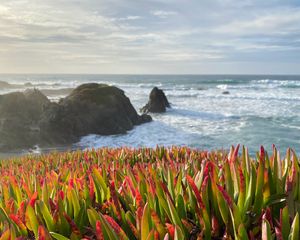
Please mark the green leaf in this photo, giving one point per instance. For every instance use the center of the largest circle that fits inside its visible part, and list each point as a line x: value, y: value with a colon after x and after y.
x: 242, y: 233
x: 285, y: 223
x: 100, y: 184
x: 160, y: 228
x: 75, y: 202
x: 207, y: 225
x: 31, y: 221
x: 259, y: 188
x: 93, y: 216
x: 107, y: 229
x: 47, y: 216
x: 294, y: 234
x: 175, y: 218
x: 181, y: 207
x: 223, y: 207
x: 145, y: 229
x: 58, y: 236
x: 178, y: 234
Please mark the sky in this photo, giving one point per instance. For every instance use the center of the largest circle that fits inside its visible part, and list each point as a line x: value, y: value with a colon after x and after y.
x: 150, y: 36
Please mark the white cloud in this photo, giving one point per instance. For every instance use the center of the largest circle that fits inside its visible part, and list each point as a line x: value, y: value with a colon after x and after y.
x: 132, y: 17
x: 182, y: 55
x: 163, y: 14
x: 280, y: 21
x: 123, y: 36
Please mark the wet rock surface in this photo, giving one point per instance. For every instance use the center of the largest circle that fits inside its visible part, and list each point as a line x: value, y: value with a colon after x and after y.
x: 157, y: 103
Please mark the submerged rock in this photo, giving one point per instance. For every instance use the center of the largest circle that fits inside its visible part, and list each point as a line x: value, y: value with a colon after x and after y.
x: 157, y: 103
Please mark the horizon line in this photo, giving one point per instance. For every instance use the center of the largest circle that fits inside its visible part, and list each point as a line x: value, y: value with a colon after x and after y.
x: 162, y: 74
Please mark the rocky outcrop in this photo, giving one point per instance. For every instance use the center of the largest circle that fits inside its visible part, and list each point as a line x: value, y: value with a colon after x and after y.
x: 90, y: 109
x: 157, y: 103
x: 19, y: 118
x: 29, y: 118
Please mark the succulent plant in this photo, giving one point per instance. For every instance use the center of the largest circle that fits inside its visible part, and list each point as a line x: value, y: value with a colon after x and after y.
x: 162, y: 193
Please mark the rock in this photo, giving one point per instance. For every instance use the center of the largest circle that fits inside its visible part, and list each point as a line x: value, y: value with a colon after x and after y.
x: 19, y: 116
x: 55, y: 92
x: 28, y: 84
x: 29, y: 118
x: 89, y: 109
x: 145, y: 118
x: 225, y: 92
x: 37, y: 102
x: 157, y: 103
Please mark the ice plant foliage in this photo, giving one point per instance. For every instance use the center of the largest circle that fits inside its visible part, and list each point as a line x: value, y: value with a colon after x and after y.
x: 149, y: 194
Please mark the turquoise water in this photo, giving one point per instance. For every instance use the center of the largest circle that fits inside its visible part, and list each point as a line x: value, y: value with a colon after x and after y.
x: 259, y: 110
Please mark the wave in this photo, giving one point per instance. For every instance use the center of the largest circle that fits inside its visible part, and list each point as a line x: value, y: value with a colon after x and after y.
x: 235, y: 97
x: 180, y: 95
x: 150, y: 85
x: 274, y: 83
x: 222, y: 86
x: 7, y: 85
x: 146, y: 135
x: 261, y: 84
x: 199, y: 114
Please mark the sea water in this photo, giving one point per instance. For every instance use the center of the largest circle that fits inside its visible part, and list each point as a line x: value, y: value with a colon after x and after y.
x: 259, y: 110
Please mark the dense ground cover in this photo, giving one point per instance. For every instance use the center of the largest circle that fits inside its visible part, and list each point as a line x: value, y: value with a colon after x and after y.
x: 161, y: 193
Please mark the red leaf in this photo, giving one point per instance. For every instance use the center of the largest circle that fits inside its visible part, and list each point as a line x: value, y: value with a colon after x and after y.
x: 225, y: 195
x: 196, y: 191
x: 33, y: 199
x: 43, y: 234
x: 171, y: 230
x: 235, y: 154
x: 99, y: 233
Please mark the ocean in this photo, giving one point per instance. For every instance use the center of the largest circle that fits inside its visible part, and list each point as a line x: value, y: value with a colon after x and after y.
x: 257, y: 109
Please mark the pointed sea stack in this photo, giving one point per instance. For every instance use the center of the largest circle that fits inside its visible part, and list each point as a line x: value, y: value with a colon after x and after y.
x: 157, y: 103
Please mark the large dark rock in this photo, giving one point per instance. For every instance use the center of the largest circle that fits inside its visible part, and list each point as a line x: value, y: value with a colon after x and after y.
x: 19, y: 118
x: 89, y: 109
x: 29, y: 118
x: 157, y: 103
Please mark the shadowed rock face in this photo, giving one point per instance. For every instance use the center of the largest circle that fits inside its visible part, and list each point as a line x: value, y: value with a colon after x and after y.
x: 19, y: 118
x: 158, y: 102
x: 89, y: 109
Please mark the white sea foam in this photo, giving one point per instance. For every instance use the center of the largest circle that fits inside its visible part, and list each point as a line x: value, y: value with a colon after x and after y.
x: 222, y: 86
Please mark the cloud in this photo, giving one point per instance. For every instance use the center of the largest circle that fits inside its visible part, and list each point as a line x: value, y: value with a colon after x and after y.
x: 280, y: 21
x: 124, y: 36
x: 163, y: 14
x: 131, y: 18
